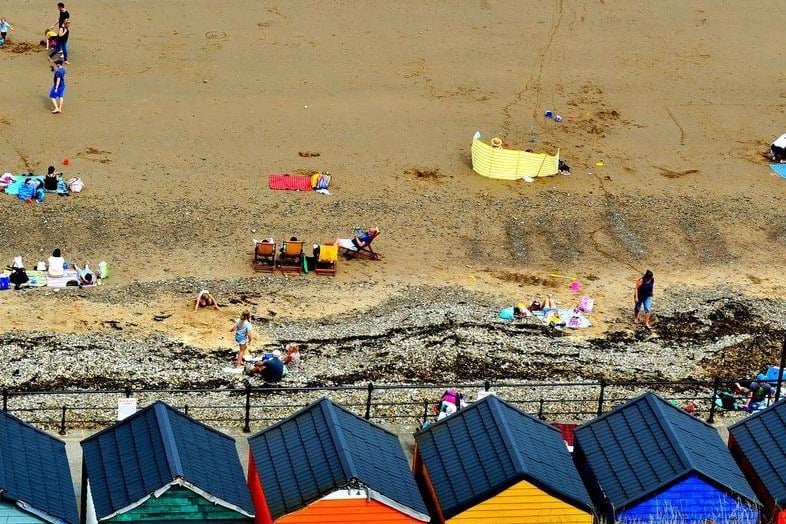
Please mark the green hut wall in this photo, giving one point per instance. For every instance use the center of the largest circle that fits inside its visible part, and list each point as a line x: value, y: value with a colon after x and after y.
x: 180, y: 505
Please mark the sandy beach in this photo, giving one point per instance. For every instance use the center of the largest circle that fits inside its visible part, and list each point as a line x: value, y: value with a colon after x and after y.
x: 176, y: 112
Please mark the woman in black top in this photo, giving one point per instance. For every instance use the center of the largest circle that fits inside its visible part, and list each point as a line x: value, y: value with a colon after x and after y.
x: 50, y: 180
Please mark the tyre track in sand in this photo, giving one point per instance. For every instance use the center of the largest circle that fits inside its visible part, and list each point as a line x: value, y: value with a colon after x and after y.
x: 536, y: 82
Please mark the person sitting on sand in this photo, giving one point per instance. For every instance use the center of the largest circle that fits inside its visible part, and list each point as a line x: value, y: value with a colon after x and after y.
x: 270, y: 369
x: 205, y: 299
x: 85, y: 275
x: 757, y: 393
x: 55, y: 264
x: 51, y: 179
x: 292, y: 358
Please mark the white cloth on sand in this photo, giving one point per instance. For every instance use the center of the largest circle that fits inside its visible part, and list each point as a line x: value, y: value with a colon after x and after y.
x: 346, y: 243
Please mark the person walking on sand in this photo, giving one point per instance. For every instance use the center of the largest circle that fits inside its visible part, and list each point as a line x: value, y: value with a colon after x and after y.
x: 642, y: 298
x: 62, y: 16
x: 62, y: 42
x: 57, y: 92
x: 242, y: 329
x: 4, y: 28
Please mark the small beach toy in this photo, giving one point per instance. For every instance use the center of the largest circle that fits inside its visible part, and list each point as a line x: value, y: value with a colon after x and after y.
x: 549, y: 114
x: 66, y: 161
x: 599, y: 164
x: 558, y: 118
x: 575, y: 286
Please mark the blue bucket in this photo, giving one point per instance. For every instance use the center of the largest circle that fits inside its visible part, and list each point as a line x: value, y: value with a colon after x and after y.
x: 549, y: 114
x: 5, y: 282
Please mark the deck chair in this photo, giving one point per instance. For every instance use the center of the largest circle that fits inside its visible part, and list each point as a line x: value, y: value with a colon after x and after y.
x: 327, y: 260
x: 264, y: 256
x: 350, y: 250
x: 291, y: 258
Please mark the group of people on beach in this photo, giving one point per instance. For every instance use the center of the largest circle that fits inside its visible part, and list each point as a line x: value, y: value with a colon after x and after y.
x: 60, y: 40
x: 56, y: 42
x: 54, y: 267
x: 271, y: 367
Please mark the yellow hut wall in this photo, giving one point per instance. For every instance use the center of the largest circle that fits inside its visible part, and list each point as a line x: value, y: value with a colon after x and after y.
x: 523, y: 503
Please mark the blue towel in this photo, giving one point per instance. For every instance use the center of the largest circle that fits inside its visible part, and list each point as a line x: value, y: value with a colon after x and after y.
x: 780, y: 169
x: 13, y: 189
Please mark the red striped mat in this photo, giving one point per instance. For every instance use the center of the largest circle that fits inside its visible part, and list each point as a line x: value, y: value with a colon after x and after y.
x: 289, y: 182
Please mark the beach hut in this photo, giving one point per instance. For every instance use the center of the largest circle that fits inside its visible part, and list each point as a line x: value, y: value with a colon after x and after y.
x: 758, y: 442
x: 160, y: 466
x: 324, y: 464
x: 491, y: 463
x: 649, y: 461
x: 35, y: 482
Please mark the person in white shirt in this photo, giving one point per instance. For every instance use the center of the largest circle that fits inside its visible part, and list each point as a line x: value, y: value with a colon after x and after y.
x: 55, y: 264
x: 778, y: 149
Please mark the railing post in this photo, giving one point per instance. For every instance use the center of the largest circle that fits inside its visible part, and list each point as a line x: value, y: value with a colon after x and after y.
x: 5, y: 399
x: 62, y: 422
x: 714, y: 397
x: 540, y: 410
x: 601, y: 396
x: 487, y: 385
x: 247, y: 416
x: 128, y: 391
x: 780, y: 371
x: 368, y: 400
x: 185, y: 409
x: 425, y: 410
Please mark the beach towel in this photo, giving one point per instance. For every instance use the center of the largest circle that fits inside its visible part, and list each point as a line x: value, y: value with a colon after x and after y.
x: 573, y: 319
x: 779, y: 169
x: 61, y: 282
x: 13, y: 189
x: 37, y: 278
x: 289, y: 182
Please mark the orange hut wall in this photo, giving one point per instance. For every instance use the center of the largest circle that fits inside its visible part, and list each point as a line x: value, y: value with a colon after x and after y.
x: 347, y: 511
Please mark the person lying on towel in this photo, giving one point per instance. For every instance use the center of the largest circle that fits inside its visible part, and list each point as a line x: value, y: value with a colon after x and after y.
x: 360, y: 241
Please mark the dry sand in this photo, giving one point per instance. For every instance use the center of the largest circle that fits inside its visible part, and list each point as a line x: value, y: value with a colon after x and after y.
x: 176, y: 112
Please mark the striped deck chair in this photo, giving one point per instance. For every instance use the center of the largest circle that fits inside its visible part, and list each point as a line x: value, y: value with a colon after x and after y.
x: 327, y: 260
x: 264, y: 256
x: 291, y: 258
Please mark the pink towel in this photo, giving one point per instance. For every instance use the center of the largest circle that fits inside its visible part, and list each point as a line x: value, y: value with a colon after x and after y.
x: 290, y: 182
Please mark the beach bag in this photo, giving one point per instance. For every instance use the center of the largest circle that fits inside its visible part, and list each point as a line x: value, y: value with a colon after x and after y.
x: 103, y: 270
x: 574, y: 322
x: 26, y: 192
x: 62, y: 187
x: 324, y: 181
x: 75, y: 185
x: 5, y: 282
x: 586, y: 304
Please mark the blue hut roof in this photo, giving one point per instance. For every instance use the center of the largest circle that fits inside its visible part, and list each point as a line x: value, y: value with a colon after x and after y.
x: 323, y: 448
x: 646, y: 445
x: 760, y: 437
x: 34, y: 471
x: 489, y: 446
x: 154, y: 447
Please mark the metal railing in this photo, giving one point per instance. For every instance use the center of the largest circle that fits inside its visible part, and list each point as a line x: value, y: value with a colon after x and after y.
x: 390, y: 404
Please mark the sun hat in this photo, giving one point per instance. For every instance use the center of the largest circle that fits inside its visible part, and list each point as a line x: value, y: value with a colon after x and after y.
x: 496, y: 141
